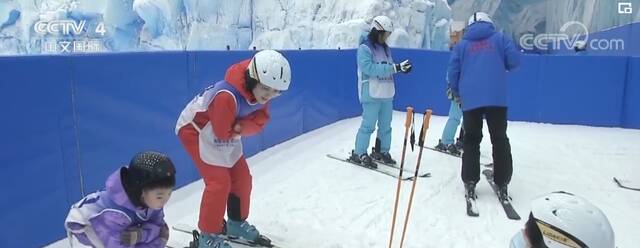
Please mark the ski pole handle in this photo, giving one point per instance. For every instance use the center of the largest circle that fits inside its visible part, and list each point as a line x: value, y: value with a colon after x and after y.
x: 407, y: 122
x: 427, y: 117
x: 425, y: 126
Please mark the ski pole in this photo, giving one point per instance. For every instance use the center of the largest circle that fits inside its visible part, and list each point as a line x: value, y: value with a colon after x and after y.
x: 423, y: 132
x: 407, y: 124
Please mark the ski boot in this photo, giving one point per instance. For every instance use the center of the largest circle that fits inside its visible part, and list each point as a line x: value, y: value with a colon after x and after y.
x: 459, y: 144
x: 441, y: 146
x: 450, y: 148
x: 453, y: 149
x: 209, y: 241
x: 363, y: 159
x: 470, y: 190
x: 503, y: 193
x: 384, y: 157
x: 242, y: 229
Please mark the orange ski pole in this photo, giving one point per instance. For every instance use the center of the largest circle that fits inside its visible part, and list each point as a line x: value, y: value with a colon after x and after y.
x: 423, y: 132
x: 407, y: 124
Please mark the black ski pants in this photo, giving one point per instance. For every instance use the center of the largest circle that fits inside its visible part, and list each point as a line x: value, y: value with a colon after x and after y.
x: 497, y: 123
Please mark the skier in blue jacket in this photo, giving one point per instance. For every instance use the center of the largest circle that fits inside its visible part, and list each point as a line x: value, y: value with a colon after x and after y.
x: 376, y: 89
x: 477, y: 76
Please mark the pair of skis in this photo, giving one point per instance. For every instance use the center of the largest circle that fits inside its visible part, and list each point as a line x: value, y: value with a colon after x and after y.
x: 263, y: 242
x: 509, y: 210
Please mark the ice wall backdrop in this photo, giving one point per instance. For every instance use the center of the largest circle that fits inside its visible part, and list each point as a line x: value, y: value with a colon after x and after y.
x: 38, y: 26
x: 68, y: 121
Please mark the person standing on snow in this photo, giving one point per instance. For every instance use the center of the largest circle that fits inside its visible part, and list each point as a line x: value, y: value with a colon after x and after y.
x: 477, y: 77
x: 210, y: 127
x: 376, y: 89
x: 446, y: 144
x: 564, y: 220
x: 128, y: 213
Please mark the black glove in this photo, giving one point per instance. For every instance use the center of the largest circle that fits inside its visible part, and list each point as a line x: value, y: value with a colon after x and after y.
x: 404, y: 67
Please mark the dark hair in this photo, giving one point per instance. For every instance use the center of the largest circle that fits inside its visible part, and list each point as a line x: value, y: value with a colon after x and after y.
x: 373, y: 37
x: 533, y: 233
x: 249, y: 82
x: 135, y: 193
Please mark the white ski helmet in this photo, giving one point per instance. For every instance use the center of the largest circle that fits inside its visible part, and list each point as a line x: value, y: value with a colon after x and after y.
x: 479, y: 17
x: 270, y: 68
x: 382, y: 23
x: 566, y: 220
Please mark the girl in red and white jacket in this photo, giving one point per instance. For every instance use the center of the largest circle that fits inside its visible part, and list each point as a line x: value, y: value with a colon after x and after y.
x: 210, y: 127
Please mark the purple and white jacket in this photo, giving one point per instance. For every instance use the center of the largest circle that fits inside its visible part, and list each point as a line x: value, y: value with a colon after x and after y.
x: 99, y: 219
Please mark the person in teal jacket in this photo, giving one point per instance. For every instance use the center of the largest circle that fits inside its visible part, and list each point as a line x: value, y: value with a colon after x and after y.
x: 376, y: 89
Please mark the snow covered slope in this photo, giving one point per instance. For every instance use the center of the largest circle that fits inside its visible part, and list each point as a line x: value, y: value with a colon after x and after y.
x: 303, y: 199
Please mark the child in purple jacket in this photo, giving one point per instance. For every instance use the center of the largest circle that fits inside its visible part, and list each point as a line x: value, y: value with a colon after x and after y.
x: 128, y: 213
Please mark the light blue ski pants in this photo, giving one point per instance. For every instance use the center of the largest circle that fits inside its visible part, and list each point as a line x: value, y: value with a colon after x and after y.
x: 449, y: 132
x: 380, y: 112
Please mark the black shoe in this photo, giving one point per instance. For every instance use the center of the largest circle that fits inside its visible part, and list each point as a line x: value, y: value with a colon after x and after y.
x: 470, y: 190
x: 441, y: 146
x: 363, y: 159
x: 503, y: 193
x: 385, y: 157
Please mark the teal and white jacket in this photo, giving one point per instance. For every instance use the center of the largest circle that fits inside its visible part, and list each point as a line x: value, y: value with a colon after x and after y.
x: 375, y: 72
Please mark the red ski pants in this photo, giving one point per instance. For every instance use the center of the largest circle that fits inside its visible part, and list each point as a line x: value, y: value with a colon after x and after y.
x: 225, y: 188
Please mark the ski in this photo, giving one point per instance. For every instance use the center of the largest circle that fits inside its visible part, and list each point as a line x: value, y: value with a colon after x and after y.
x: 369, y: 168
x: 380, y: 162
x: 506, y: 204
x: 624, y: 186
x: 196, y: 235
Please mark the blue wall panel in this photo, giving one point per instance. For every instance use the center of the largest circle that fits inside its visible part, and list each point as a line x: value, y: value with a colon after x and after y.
x: 87, y: 115
x: 38, y: 166
x: 631, y: 108
x: 524, y: 90
x: 582, y: 89
x: 426, y: 85
x: 128, y: 103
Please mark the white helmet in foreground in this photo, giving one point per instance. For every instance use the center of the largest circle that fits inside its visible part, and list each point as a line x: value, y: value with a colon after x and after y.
x: 382, y: 23
x: 479, y: 17
x: 270, y: 68
x: 566, y: 220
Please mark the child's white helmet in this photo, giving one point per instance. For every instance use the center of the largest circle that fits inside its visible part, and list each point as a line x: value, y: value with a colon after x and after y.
x: 270, y: 68
x: 566, y: 220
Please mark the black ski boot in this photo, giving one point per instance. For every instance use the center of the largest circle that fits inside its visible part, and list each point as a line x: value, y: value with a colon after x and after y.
x: 383, y: 157
x: 503, y: 193
x: 441, y: 146
x: 363, y: 159
x: 453, y: 149
x: 459, y: 144
x: 470, y: 190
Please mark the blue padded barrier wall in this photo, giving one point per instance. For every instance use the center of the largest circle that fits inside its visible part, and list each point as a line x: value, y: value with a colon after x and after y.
x: 582, y: 89
x: 124, y: 105
x: 631, y: 108
x: 39, y: 177
x: 67, y: 116
x: 524, y: 89
x: 426, y: 85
